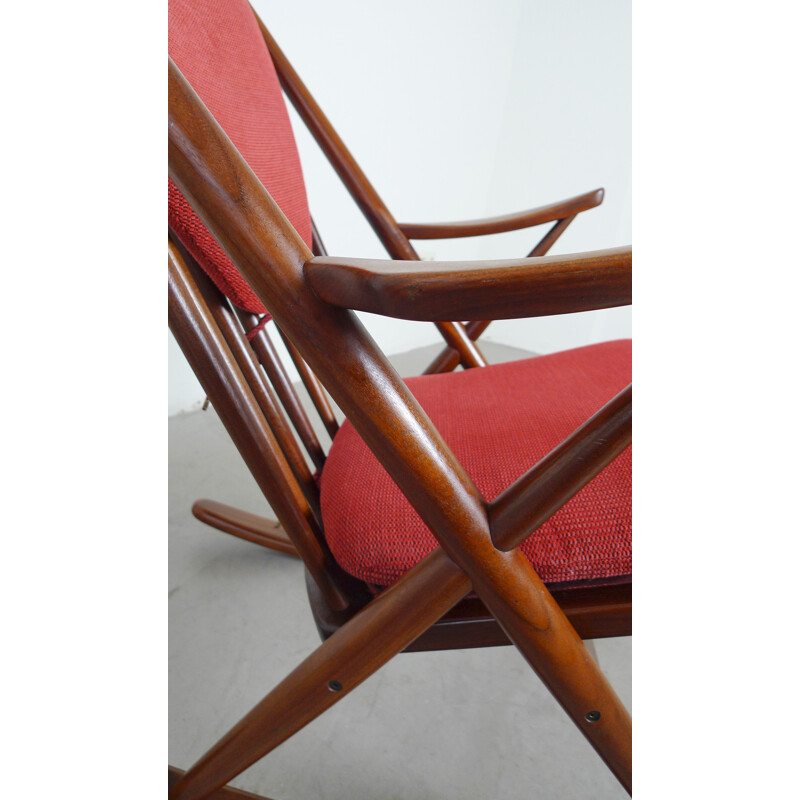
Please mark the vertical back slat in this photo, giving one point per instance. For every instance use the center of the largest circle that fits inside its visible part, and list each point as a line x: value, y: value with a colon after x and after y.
x: 215, y: 366
x: 268, y: 357
x: 313, y: 386
x: 268, y: 403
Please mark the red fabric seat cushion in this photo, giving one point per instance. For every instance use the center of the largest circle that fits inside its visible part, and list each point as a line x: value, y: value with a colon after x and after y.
x: 218, y: 47
x: 498, y: 421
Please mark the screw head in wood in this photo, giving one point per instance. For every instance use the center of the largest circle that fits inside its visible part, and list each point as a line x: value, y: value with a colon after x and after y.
x: 335, y: 686
x: 593, y: 716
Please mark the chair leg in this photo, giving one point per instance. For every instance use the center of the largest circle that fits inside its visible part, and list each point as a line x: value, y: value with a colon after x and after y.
x: 532, y: 619
x: 247, y: 526
x: 393, y: 620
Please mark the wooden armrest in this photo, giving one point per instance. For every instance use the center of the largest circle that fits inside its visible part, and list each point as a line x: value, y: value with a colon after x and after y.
x: 458, y: 290
x: 508, y: 222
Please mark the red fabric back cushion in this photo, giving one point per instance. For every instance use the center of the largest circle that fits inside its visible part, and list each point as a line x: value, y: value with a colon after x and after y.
x: 218, y: 47
x: 498, y: 421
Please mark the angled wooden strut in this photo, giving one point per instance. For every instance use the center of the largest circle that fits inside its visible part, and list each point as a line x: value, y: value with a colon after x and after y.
x: 271, y: 256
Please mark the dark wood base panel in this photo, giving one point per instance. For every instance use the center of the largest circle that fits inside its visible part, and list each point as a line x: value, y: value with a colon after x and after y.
x: 597, y: 612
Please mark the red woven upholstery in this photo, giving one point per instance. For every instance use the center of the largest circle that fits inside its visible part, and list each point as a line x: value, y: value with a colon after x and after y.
x: 498, y: 421
x: 218, y: 47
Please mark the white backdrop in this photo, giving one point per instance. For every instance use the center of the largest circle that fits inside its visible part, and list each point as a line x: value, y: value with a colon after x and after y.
x: 457, y: 110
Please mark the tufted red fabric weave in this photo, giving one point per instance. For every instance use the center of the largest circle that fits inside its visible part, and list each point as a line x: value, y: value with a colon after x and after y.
x: 218, y: 47
x: 498, y: 421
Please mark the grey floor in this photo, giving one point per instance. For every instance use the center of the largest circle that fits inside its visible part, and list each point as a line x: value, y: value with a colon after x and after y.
x: 464, y: 724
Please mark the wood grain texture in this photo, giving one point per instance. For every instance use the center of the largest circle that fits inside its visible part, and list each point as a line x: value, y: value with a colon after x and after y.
x: 268, y: 252
x: 480, y: 290
x: 596, y: 612
x: 506, y: 222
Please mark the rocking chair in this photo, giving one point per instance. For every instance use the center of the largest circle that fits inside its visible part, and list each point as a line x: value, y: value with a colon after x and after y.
x: 460, y: 509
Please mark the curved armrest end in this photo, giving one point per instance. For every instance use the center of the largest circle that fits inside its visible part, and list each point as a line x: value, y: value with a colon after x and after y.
x: 458, y: 290
x: 507, y: 222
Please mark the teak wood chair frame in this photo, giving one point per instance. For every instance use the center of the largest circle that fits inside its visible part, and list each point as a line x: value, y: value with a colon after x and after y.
x: 311, y: 299
x: 461, y: 338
